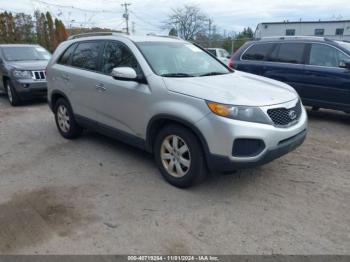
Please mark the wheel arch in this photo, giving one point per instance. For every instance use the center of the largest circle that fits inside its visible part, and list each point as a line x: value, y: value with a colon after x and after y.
x: 55, y: 96
x: 159, y: 121
x: 4, y: 79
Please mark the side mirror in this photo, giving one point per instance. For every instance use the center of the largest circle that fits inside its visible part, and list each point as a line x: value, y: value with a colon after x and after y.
x: 1, y: 61
x: 345, y: 64
x: 124, y: 74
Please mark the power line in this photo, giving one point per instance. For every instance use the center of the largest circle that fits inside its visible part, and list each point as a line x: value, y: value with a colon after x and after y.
x: 144, y: 21
x: 77, y: 8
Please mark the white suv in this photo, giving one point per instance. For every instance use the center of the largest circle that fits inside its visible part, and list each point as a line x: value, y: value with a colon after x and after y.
x: 173, y: 99
x: 221, y: 54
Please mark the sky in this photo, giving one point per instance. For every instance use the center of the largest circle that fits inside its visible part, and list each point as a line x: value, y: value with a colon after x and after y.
x: 148, y: 16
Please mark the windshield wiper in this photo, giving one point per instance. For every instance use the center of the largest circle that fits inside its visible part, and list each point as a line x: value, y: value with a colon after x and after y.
x: 177, y: 75
x: 213, y: 74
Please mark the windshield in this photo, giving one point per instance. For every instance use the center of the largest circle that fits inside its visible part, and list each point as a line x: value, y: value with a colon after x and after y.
x: 25, y: 53
x: 180, y: 60
x: 345, y: 45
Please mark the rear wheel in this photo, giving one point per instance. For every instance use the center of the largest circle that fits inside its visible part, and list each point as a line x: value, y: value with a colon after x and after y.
x: 65, y: 121
x: 179, y: 156
x: 12, y: 95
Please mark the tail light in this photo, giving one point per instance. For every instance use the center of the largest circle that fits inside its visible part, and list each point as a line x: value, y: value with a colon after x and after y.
x: 231, y: 63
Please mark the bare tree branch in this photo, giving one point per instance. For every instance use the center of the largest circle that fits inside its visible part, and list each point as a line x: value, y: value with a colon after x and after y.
x: 188, y: 21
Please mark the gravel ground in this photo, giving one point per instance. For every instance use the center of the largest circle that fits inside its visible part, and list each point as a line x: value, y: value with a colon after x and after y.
x: 98, y: 196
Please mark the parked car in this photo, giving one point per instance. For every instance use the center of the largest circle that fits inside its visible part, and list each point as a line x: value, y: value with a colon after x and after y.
x: 318, y: 68
x: 220, y: 53
x: 171, y: 98
x: 22, y: 71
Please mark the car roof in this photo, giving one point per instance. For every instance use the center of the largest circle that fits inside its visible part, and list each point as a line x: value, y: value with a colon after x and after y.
x: 18, y: 45
x: 133, y: 38
x: 293, y: 39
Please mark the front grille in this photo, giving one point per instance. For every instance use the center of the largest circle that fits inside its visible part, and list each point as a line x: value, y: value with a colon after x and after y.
x: 285, y: 117
x: 39, y: 75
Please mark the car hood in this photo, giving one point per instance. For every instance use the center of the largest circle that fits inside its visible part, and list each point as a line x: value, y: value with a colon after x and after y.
x: 29, y: 65
x: 237, y: 88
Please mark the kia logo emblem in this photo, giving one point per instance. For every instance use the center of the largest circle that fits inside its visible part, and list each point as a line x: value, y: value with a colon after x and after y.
x: 292, y: 114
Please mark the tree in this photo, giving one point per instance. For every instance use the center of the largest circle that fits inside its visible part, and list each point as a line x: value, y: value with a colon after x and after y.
x: 173, y: 32
x: 246, y: 33
x: 60, y: 31
x: 3, y: 28
x: 40, y: 28
x: 7, y: 30
x: 187, y: 21
x: 24, y: 28
x: 10, y: 28
x: 51, y: 32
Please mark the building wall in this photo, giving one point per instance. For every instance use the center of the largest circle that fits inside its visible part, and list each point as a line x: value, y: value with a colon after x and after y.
x: 304, y: 29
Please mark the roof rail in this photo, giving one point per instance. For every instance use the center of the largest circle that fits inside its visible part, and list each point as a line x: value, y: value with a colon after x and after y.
x: 294, y: 38
x: 165, y: 36
x: 94, y: 34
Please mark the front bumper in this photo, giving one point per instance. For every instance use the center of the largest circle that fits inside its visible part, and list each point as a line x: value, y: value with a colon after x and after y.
x: 223, y: 164
x: 28, y: 88
x: 220, y: 134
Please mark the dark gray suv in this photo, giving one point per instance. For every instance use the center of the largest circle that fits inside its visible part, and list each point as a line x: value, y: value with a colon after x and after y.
x: 22, y: 72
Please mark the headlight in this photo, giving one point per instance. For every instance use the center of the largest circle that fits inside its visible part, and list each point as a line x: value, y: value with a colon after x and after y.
x: 242, y: 113
x: 23, y: 74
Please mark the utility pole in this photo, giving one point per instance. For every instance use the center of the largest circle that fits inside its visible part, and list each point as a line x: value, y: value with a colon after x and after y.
x: 126, y: 15
x: 133, y: 28
x: 210, y: 23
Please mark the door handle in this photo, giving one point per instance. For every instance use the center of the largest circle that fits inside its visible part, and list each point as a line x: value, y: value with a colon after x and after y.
x: 100, y: 87
x: 66, y: 77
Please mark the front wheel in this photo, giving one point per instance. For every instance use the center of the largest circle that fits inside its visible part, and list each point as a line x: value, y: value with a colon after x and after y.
x: 12, y: 95
x: 179, y: 156
x: 65, y: 121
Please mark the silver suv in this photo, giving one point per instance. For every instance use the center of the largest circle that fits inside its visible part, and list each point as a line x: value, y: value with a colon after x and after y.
x: 175, y: 100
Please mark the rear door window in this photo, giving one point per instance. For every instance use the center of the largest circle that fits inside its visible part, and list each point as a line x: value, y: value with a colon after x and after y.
x: 258, y: 52
x: 292, y: 53
x: 325, y: 55
x: 86, y: 55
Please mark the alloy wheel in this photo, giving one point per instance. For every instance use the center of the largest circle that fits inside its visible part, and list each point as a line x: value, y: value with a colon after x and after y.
x: 63, y: 118
x: 175, y: 156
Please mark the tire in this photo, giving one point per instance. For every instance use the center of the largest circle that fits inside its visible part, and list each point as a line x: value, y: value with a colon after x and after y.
x: 180, y: 169
x: 12, y: 95
x: 65, y: 121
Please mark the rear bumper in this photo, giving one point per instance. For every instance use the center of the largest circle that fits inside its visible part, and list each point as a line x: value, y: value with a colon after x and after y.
x: 224, y: 164
x: 27, y: 89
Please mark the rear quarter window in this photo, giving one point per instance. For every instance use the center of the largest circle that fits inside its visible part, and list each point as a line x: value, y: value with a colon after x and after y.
x: 67, y: 54
x: 257, y: 52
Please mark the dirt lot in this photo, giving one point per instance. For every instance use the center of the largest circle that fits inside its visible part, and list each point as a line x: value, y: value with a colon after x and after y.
x: 97, y: 196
